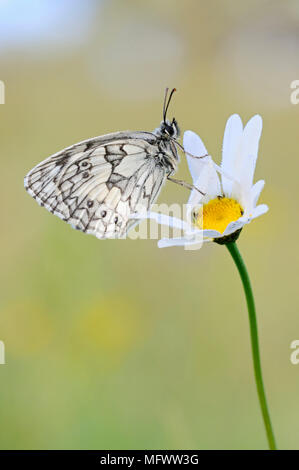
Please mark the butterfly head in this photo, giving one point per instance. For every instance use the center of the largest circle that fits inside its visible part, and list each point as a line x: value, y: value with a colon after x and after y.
x: 168, y: 129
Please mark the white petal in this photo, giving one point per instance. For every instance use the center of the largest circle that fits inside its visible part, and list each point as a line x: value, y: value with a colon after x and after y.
x: 168, y: 242
x: 231, y: 141
x: 193, y: 145
x: 256, y: 191
x: 236, y: 225
x: 211, y: 233
x: 242, y: 190
x: 247, y: 173
x: 201, y: 234
x: 163, y: 219
x: 247, y: 155
x: 223, y: 173
x: 259, y: 210
x: 208, y: 183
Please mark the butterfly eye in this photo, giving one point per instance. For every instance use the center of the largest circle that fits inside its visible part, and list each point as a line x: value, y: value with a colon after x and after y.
x: 103, y: 214
x: 175, y: 128
x: 170, y: 130
x: 89, y: 203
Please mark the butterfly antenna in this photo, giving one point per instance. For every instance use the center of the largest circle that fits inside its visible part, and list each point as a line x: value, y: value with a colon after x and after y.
x: 164, y: 104
x: 167, y: 102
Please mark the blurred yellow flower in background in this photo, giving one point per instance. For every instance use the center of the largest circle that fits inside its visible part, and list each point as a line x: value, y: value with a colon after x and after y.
x: 109, y: 325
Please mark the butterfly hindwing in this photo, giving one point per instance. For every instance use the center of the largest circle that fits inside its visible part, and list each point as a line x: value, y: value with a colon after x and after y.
x: 97, y: 184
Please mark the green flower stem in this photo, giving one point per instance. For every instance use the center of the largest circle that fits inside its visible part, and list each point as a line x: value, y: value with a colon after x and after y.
x: 234, y: 251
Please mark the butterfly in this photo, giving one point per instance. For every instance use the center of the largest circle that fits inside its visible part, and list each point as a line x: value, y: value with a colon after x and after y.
x: 98, y: 184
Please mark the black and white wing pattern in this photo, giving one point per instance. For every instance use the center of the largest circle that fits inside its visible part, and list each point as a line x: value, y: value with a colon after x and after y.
x: 96, y: 185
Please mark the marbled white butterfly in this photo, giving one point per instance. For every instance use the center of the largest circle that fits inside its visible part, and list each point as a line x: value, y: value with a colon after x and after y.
x: 98, y: 184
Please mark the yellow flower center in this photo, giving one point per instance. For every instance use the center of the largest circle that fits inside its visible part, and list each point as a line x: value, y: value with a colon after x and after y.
x: 218, y: 213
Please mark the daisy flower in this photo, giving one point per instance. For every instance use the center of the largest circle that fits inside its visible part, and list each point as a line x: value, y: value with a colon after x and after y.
x: 218, y: 209
x: 228, y: 202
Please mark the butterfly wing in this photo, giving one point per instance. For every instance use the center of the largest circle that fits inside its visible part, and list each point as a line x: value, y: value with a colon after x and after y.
x: 97, y: 184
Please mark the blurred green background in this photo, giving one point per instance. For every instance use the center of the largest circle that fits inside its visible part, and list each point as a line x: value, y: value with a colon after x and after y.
x: 117, y: 344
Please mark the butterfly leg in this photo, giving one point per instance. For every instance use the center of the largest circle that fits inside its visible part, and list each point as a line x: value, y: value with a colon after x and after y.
x: 185, y: 185
x: 198, y: 157
x: 188, y: 153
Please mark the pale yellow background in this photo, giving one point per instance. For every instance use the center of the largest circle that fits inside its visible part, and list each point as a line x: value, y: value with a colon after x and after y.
x: 117, y: 344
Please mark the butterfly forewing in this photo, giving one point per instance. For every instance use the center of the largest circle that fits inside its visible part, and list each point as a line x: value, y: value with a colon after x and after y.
x: 96, y: 185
